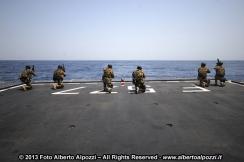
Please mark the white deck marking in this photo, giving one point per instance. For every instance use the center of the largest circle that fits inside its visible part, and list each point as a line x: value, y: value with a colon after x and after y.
x: 148, y: 90
x: 11, y: 88
x: 101, y: 92
x: 194, y: 89
x: 68, y: 90
x: 130, y: 88
x: 18, y: 87
x: 229, y: 81
x: 133, y: 87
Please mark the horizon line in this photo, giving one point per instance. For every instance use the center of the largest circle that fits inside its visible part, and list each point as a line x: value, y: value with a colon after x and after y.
x: 117, y: 60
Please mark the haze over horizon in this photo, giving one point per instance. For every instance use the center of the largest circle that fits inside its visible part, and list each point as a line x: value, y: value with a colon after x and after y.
x: 121, y: 30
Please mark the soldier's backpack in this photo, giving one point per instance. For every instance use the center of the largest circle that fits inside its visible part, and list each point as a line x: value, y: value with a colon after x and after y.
x: 24, y: 74
x: 108, y: 73
x: 139, y: 74
x: 202, y: 72
x: 58, y: 74
x: 221, y: 71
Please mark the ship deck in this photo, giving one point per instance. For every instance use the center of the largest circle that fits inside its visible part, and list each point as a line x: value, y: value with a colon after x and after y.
x: 171, y: 118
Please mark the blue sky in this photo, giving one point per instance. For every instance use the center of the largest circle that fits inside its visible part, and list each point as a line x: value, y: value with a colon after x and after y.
x: 122, y: 29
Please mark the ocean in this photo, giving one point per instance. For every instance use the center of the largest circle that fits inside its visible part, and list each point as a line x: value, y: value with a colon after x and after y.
x: 92, y: 70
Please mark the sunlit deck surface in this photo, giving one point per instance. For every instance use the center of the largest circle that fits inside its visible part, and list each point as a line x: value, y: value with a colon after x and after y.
x: 172, y: 118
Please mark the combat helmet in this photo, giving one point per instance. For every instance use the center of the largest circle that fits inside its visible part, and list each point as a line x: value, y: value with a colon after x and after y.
x: 139, y: 67
x: 219, y: 63
x: 60, y: 67
x: 110, y: 66
x: 27, y: 67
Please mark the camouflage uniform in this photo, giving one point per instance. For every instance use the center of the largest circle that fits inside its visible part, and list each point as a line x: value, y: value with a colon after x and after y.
x: 26, y: 77
x: 202, y: 75
x: 107, y: 78
x: 220, y: 73
x: 138, y: 79
x: 58, y: 77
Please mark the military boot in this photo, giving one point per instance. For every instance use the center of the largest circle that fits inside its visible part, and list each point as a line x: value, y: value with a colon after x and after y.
x: 54, y: 86
x: 143, y: 88
x: 109, y: 90
x: 203, y: 84
x: 60, y: 86
x: 136, y: 90
x: 222, y: 84
x: 216, y: 82
x: 28, y: 87
x: 208, y: 82
x: 24, y: 87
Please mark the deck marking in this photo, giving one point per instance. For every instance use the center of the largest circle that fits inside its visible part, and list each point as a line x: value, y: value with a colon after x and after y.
x: 19, y: 86
x: 130, y: 88
x: 234, y: 83
x: 68, y: 90
x: 101, y: 92
x: 195, y: 89
x: 11, y: 88
x: 148, y: 89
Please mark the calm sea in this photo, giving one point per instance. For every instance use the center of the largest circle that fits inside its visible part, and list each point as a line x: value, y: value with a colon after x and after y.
x: 92, y: 70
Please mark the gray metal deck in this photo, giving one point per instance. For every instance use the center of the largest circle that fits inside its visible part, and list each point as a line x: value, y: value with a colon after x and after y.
x: 170, y: 119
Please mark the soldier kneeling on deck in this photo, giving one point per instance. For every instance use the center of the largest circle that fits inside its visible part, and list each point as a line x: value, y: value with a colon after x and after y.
x: 58, y: 77
x: 26, y: 77
x: 107, y: 77
x: 202, y: 75
x: 138, y: 80
x: 220, y: 73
